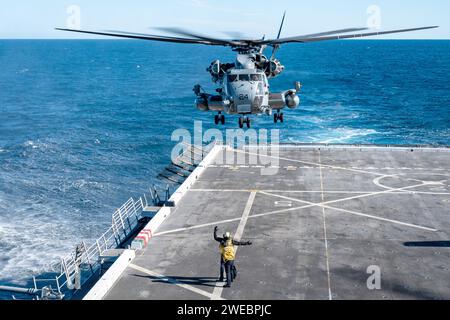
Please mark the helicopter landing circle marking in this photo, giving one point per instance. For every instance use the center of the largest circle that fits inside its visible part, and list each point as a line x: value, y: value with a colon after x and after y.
x: 442, y: 180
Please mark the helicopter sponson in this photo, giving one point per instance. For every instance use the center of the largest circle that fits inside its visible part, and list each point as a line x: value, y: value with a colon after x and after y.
x: 220, y: 103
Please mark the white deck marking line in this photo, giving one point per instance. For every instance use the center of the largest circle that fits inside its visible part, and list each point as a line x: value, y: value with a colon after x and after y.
x: 324, y: 205
x: 382, y: 219
x: 329, y: 202
x: 238, y: 235
x: 374, y: 194
x: 312, y: 163
x: 197, y: 227
x: 310, y: 205
x: 217, y: 223
x: 287, y: 191
x: 220, y: 190
x: 248, y: 208
x: 325, y: 232
x: 173, y: 281
x: 310, y: 167
x: 325, y: 192
x: 377, y: 181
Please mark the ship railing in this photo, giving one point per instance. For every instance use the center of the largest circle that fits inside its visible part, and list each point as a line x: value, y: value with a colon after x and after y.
x: 193, y: 153
x: 75, y: 269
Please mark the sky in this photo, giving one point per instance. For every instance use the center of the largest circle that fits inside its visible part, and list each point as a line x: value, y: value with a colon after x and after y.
x: 31, y: 19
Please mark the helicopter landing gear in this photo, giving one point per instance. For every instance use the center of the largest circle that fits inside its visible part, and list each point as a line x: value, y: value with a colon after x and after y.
x: 220, y: 118
x: 245, y: 120
x: 279, y: 116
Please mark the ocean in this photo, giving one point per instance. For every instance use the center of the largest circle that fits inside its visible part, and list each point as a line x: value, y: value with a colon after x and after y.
x: 84, y: 125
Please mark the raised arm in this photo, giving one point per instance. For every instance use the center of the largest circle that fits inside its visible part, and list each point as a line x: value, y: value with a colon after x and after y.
x: 239, y: 243
x: 215, y: 235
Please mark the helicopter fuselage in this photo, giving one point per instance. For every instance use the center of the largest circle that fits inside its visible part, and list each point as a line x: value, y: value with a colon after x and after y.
x: 244, y: 89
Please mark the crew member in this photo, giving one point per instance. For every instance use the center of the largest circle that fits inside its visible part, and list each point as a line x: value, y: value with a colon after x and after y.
x: 227, y: 254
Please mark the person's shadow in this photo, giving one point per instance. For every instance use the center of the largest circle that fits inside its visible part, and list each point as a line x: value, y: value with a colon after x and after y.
x: 428, y: 244
x: 192, y: 281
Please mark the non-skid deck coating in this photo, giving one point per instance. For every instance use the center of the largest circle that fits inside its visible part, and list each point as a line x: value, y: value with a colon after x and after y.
x: 317, y: 226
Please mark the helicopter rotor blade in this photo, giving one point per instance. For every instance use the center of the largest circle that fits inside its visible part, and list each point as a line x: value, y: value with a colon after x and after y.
x: 141, y: 36
x: 234, y: 34
x: 281, y: 26
x: 175, y: 39
x: 323, y: 34
x: 332, y: 32
x: 303, y: 39
x: 193, y: 38
x: 276, y: 47
x: 183, y: 32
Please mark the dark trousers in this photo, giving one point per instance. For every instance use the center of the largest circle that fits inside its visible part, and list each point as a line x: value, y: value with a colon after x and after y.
x: 228, y: 266
x: 222, y: 268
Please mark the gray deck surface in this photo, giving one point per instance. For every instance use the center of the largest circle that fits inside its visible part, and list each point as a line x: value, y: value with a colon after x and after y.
x: 316, y: 226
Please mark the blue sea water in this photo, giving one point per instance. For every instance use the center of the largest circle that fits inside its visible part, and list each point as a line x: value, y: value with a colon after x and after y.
x: 84, y: 125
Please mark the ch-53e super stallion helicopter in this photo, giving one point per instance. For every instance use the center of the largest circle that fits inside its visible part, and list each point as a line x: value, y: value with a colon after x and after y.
x: 244, y: 85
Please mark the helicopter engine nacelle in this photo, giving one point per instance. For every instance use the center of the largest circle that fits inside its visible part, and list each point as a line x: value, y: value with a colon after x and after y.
x: 214, y: 68
x: 261, y: 61
x: 273, y: 68
x: 218, y: 70
x: 292, y: 100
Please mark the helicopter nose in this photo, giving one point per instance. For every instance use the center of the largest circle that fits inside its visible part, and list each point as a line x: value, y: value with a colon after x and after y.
x: 244, y: 94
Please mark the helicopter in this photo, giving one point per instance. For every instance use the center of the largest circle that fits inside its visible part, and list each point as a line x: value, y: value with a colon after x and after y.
x: 243, y: 86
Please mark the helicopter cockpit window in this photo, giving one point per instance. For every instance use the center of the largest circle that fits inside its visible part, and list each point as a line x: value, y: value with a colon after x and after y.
x: 244, y: 77
x: 255, y: 77
x: 232, y: 78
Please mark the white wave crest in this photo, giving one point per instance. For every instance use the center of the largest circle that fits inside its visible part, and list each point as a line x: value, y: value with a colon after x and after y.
x: 347, y: 135
x: 335, y: 136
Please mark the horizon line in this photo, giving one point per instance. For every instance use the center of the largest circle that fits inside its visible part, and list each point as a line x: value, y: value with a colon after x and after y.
x: 118, y: 39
